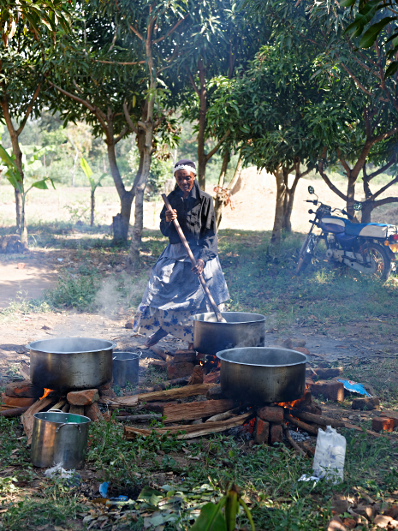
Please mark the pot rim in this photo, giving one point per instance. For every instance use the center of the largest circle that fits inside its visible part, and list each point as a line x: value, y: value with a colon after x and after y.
x: 220, y: 354
x: 87, y: 419
x: 225, y: 314
x: 31, y: 346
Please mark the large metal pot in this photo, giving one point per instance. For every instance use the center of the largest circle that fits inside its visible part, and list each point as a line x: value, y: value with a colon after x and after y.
x: 240, y: 330
x: 261, y: 375
x: 71, y: 363
x: 59, y: 439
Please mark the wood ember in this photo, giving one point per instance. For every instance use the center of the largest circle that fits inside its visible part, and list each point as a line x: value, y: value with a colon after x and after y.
x: 318, y: 419
x: 196, y: 410
x: 191, y: 432
x: 301, y: 424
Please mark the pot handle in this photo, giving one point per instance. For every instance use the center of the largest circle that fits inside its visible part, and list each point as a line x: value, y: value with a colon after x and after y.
x: 114, y: 345
x: 55, y: 409
x: 68, y: 424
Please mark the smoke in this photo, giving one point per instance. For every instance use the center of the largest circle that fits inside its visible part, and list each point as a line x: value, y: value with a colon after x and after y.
x: 117, y: 296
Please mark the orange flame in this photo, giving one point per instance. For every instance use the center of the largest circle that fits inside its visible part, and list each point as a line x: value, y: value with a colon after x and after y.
x: 46, y: 393
x: 300, y: 402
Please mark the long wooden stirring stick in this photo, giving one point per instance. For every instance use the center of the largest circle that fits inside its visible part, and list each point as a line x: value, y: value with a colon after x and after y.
x: 213, y: 304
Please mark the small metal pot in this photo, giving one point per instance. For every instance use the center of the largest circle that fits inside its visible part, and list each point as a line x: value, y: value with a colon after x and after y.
x: 240, y: 330
x: 261, y: 375
x: 125, y: 368
x: 71, y: 363
x: 59, y: 438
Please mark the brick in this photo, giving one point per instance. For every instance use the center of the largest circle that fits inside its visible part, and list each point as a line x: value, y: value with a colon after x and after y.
x: 349, y: 523
x: 24, y: 389
x: 303, y: 350
x: 276, y: 434
x: 106, y: 386
x: 365, y: 403
x: 12, y: 402
x: 179, y: 370
x: 93, y: 412
x: 261, y: 431
x: 391, y: 415
x: 382, y: 424
x: 76, y: 410
x: 212, y: 377
x: 331, y: 390
x: 85, y: 397
x: 184, y: 355
x: 272, y: 414
x: 110, y: 393
x: 325, y: 374
x: 215, y: 393
x: 287, y: 343
x: 392, y: 511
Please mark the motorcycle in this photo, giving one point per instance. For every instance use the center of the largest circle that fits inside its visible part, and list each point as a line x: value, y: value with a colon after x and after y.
x: 365, y: 247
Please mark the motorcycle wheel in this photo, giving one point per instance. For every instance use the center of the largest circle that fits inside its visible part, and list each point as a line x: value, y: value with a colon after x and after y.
x: 304, y: 257
x: 383, y: 262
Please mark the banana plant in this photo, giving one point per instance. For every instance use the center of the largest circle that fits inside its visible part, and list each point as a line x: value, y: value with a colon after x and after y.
x: 94, y: 185
x: 211, y: 517
x: 14, y: 177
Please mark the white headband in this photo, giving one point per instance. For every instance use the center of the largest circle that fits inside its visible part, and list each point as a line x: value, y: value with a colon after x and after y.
x: 184, y: 167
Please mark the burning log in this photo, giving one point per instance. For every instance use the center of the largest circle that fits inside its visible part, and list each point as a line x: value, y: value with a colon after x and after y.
x: 300, y: 424
x: 27, y: 417
x: 24, y: 389
x: 196, y: 410
x: 318, y: 419
x: 191, y: 432
x: 293, y: 443
x: 170, y: 394
x: 15, y: 412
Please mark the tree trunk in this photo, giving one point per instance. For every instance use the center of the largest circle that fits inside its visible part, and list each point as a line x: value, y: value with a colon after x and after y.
x: 23, y: 229
x: 122, y: 220
x: 366, y: 212
x: 289, y: 199
x: 279, y: 213
x: 219, y: 202
x: 351, y: 195
x: 92, y: 208
x: 202, y: 159
x: 16, y: 150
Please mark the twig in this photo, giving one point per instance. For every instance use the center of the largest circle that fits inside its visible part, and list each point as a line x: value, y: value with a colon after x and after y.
x: 292, y: 442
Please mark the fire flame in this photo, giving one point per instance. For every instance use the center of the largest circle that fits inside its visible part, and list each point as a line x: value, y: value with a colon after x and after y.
x: 300, y: 402
x: 46, y: 393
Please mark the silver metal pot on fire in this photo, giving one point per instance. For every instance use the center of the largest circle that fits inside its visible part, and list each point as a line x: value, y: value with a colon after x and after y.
x: 262, y: 375
x: 71, y: 363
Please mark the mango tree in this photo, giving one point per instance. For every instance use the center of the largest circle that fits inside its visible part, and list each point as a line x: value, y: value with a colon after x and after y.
x: 88, y: 172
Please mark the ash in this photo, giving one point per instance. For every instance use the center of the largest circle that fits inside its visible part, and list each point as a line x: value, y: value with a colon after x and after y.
x: 298, y: 436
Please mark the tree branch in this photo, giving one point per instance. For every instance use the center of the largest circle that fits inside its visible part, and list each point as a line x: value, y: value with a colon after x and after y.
x: 385, y: 201
x: 383, y: 169
x: 389, y: 133
x: 92, y: 108
x: 128, y: 119
x: 29, y: 109
x: 217, y: 146
x: 124, y: 63
x: 329, y: 182
x: 172, y: 30
x: 357, y: 82
x: 136, y: 32
x: 122, y: 133
x: 191, y: 79
x: 383, y: 189
x: 343, y: 162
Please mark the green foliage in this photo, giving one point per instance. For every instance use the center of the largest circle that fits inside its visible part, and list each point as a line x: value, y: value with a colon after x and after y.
x: 74, y: 292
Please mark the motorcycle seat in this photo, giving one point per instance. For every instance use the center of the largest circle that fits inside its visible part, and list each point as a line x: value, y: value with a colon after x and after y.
x: 372, y: 230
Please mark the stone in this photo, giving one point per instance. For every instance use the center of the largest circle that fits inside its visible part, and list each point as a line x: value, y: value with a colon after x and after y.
x: 261, y: 431
x: 24, y: 389
x: 330, y: 390
x: 325, y: 374
x: 196, y: 376
x: 339, y: 504
x: 382, y: 521
x: 382, y: 424
x: 76, y: 410
x: 299, y: 343
x: 84, y: 397
x: 272, y: 414
x: 179, y: 370
x: 129, y: 324
x: 336, y: 524
x: 106, y: 386
x: 276, y: 434
x: 303, y: 350
x: 93, y: 412
x: 212, y: 377
x: 287, y: 343
x: 368, y: 403
x: 215, y: 393
x: 110, y: 393
x: 13, y: 402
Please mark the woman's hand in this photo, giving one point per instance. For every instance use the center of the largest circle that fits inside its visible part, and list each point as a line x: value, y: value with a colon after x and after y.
x: 170, y: 215
x: 198, y: 269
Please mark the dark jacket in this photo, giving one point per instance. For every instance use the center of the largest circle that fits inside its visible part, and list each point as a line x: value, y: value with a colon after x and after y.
x: 196, y: 216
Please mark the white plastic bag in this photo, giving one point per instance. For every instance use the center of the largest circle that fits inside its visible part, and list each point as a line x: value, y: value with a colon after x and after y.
x: 330, y: 455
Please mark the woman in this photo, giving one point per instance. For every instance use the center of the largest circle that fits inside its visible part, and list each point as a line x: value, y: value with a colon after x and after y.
x: 173, y: 293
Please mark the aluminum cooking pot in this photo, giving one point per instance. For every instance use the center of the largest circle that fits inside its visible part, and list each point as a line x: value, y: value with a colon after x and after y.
x: 262, y: 375
x: 59, y: 439
x: 125, y: 368
x: 240, y: 330
x: 71, y: 363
